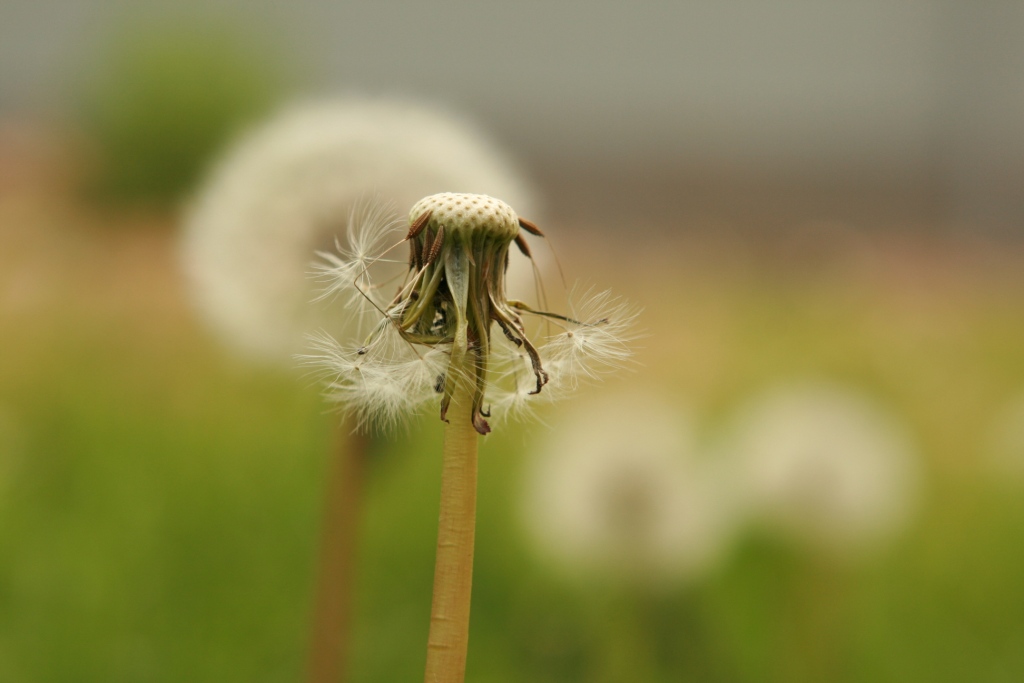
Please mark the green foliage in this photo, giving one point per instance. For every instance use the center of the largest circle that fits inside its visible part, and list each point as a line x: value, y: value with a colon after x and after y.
x: 158, y: 521
x: 164, y: 98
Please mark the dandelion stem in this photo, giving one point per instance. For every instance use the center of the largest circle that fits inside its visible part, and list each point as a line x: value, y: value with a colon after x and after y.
x: 332, y: 607
x: 453, y: 570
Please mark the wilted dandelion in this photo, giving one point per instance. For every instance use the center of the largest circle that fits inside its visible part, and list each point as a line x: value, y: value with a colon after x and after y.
x: 433, y: 342
x: 288, y: 188
x: 308, y: 181
x: 621, y: 489
x: 825, y: 464
x: 436, y: 330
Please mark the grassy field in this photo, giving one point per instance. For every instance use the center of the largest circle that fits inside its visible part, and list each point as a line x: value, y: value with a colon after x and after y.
x: 160, y: 503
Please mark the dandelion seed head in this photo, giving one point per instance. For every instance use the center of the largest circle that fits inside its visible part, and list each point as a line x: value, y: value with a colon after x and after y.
x: 620, y: 489
x: 453, y: 297
x: 825, y: 464
x: 306, y: 181
x: 462, y: 214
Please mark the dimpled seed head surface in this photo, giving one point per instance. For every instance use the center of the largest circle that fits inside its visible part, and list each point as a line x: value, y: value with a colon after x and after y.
x: 468, y: 214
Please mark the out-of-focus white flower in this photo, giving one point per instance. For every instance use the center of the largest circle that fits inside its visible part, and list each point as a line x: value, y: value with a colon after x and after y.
x: 451, y: 317
x: 1005, y: 441
x: 825, y: 464
x: 620, y: 490
x: 289, y: 188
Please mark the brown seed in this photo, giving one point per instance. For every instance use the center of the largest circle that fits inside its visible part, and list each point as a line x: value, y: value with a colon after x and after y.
x: 435, y: 248
x: 530, y: 227
x: 523, y: 246
x: 416, y: 227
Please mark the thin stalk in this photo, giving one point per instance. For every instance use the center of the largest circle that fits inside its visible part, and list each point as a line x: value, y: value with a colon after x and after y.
x: 332, y: 606
x: 453, y: 569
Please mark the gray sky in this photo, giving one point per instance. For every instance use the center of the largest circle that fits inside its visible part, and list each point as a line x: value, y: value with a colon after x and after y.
x: 797, y: 82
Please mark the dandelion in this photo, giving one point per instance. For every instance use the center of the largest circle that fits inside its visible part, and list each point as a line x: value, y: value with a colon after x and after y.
x: 622, y: 490
x: 825, y: 464
x: 438, y: 326
x: 317, y: 179
x: 286, y: 189
x: 433, y: 342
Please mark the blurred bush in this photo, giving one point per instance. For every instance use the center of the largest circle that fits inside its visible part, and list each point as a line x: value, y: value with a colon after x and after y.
x: 164, y: 96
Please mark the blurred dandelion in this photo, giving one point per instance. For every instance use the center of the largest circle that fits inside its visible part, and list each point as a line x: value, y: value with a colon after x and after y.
x: 432, y: 343
x: 622, y: 490
x: 288, y: 188
x: 825, y: 464
x: 1005, y: 441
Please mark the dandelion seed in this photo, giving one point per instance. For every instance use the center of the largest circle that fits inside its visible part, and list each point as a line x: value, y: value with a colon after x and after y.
x: 346, y: 271
x: 380, y: 384
x: 596, y: 338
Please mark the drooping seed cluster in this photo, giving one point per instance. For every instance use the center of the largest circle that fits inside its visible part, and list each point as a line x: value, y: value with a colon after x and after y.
x: 442, y: 318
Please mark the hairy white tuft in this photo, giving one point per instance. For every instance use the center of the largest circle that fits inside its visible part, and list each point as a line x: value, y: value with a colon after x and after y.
x: 381, y: 384
x: 596, y: 341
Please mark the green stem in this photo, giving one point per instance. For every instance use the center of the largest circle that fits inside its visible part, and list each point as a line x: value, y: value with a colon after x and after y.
x: 453, y: 569
x: 332, y: 606
x: 628, y: 652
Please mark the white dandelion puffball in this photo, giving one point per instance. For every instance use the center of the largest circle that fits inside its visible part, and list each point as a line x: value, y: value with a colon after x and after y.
x: 620, y: 491
x: 825, y: 464
x: 1005, y: 441
x: 289, y: 189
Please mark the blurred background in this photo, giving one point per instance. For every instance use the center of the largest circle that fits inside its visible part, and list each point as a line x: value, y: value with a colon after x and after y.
x: 818, y: 206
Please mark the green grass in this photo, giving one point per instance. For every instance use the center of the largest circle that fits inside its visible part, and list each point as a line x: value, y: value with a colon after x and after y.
x: 160, y: 507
